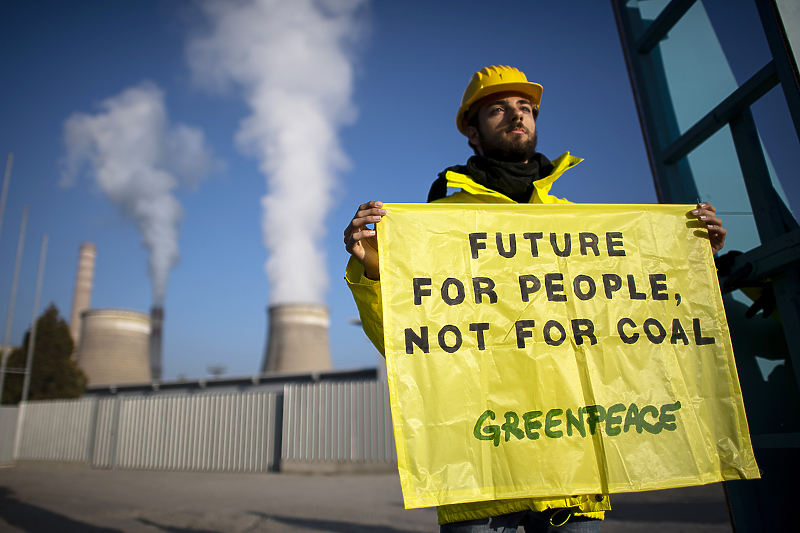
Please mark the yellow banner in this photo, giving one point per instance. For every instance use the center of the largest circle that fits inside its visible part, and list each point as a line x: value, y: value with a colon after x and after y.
x: 554, y: 350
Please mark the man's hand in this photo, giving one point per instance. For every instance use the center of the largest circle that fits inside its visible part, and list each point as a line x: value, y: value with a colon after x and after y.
x: 361, y: 241
x: 716, y: 233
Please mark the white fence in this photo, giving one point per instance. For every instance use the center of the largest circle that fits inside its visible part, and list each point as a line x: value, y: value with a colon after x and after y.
x: 339, y: 422
x: 57, y: 430
x: 8, y: 430
x: 226, y: 432
x: 253, y: 431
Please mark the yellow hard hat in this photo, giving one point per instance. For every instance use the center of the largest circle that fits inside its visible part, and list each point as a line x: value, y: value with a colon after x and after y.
x: 495, y: 79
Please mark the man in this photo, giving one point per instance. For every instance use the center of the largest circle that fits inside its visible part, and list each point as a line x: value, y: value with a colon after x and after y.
x: 498, y: 116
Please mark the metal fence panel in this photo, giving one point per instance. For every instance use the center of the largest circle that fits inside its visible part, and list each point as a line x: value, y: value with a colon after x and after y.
x: 56, y: 430
x: 8, y: 432
x: 211, y: 432
x: 104, y: 449
x: 329, y: 422
x: 338, y: 422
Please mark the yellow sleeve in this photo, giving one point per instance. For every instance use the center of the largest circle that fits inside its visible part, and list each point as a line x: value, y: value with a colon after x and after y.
x: 367, y: 294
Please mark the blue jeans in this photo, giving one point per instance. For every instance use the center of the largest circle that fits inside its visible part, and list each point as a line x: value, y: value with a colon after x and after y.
x: 532, y: 521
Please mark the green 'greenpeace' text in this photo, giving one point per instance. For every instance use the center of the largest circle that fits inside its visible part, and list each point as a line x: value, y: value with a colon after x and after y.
x: 557, y: 423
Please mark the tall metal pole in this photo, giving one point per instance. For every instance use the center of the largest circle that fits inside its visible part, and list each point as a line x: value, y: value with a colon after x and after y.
x: 34, y: 322
x: 10, y: 318
x: 4, y: 194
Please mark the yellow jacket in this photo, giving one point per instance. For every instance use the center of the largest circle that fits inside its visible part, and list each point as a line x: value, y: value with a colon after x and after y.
x: 367, y: 294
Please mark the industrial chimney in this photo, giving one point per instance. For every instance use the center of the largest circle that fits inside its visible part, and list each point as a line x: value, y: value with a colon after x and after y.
x: 156, y: 322
x: 297, y: 339
x: 82, y: 297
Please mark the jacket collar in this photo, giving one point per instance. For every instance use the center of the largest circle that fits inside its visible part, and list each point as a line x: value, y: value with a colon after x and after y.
x: 541, y: 187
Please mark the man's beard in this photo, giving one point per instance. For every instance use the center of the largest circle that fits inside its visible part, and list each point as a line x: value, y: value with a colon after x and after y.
x: 513, y: 150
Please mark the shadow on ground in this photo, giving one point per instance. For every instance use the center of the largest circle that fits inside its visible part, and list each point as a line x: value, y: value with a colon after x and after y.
x: 33, y: 519
x: 173, y: 529
x: 331, y: 526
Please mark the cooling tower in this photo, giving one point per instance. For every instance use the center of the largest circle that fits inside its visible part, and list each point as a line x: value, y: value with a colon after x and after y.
x: 156, y: 324
x: 82, y: 296
x: 297, y: 339
x: 115, y: 347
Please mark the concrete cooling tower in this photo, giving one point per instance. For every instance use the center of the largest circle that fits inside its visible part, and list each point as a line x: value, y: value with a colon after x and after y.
x: 115, y: 347
x: 297, y: 339
x: 82, y: 295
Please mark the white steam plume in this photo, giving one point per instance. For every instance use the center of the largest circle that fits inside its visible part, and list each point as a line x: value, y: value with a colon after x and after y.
x: 135, y: 157
x: 291, y: 60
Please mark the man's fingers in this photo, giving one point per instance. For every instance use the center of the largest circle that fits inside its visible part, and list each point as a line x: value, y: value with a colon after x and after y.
x: 355, y: 238
x: 374, y: 204
x: 706, y: 207
x: 707, y: 214
x: 717, y: 232
x: 360, y: 224
x: 370, y: 204
x: 368, y: 216
x: 359, y: 242
x: 710, y: 220
x: 368, y: 213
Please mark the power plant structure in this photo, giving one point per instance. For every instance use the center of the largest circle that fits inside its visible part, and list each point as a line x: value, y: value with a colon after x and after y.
x: 82, y: 295
x: 115, y: 347
x: 112, y: 346
x: 118, y: 346
x: 297, y: 339
x: 156, y: 323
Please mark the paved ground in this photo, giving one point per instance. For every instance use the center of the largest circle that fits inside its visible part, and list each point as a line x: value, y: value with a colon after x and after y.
x: 47, y: 499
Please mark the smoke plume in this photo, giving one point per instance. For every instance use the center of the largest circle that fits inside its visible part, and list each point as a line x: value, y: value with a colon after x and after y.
x: 136, y: 158
x: 292, y: 62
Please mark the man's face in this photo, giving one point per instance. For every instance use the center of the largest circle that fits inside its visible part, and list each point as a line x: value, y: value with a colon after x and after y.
x: 506, y: 128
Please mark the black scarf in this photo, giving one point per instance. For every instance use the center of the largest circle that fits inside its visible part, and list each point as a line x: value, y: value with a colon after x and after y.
x: 515, y: 180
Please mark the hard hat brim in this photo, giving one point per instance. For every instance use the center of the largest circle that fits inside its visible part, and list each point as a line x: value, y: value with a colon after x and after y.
x: 533, y: 90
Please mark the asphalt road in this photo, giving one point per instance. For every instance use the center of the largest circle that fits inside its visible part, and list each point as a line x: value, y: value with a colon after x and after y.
x: 64, y: 499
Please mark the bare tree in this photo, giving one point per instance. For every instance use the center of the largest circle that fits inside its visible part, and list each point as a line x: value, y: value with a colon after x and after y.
x: 216, y: 370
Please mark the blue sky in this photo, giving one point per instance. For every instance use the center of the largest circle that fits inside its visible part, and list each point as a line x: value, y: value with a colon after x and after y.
x: 394, y: 117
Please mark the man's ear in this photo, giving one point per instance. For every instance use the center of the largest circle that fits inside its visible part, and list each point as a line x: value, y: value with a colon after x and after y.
x: 473, y: 136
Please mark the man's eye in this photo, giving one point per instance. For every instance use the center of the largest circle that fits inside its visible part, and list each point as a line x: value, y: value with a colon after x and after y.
x: 526, y: 109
